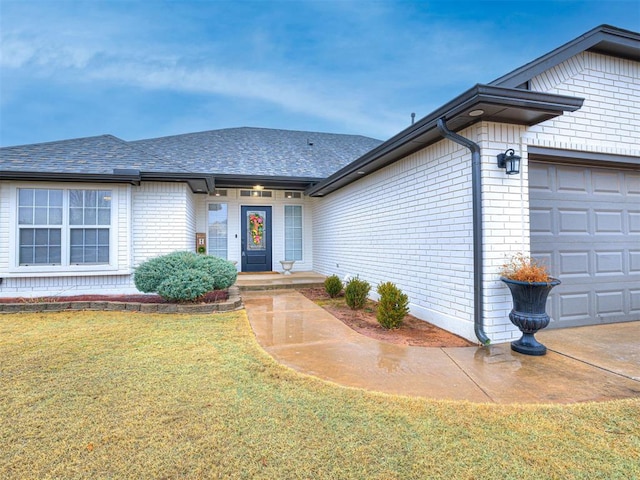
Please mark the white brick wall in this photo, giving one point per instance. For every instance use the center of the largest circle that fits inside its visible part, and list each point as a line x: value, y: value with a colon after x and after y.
x: 608, y: 122
x: 163, y: 220
x: 411, y: 224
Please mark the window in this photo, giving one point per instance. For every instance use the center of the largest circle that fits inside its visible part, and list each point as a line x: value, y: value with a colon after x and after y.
x: 89, y: 209
x: 293, y: 232
x: 217, y: 225
x: 292, y: 195
x: 63, y: 227
x: 256, y: 193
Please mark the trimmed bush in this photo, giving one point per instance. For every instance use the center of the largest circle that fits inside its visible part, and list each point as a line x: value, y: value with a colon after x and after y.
x: 333, y: 286
x: 185, y: 285
x: 393, y: 306
x: 184, y: 276
x: 356, y: 292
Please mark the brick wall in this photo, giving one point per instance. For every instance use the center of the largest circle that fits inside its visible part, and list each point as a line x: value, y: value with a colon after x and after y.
x: 163, y: 220
x: 608, y: 122
x: 409, y: 223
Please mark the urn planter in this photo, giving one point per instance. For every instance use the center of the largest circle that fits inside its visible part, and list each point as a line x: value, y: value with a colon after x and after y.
x: 528, y: 313
x: 287, y: 265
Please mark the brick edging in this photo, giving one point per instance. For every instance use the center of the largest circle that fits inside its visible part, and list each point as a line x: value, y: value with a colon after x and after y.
x: 234, y: 302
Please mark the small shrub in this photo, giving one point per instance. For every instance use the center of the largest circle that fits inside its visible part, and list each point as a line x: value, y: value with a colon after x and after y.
x: 393, y: 305
x: 525, y: 269
x: 356, y: 292
x: 333, y: 286
x: 184, y: 276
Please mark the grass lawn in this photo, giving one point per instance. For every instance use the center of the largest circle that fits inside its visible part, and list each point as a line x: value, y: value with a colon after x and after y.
x: 126, y: 395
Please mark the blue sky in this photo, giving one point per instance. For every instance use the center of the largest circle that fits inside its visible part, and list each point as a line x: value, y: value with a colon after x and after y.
x: 144, y: 69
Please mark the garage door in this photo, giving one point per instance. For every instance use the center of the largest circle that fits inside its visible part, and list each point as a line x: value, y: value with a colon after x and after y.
x: 585, y: 224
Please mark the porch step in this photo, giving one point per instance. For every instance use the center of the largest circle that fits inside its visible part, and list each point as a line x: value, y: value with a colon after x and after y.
x: 273, y: 281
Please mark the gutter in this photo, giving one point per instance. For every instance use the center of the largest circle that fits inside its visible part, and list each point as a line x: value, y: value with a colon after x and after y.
x: 501, y: 105
x: 478, y: 290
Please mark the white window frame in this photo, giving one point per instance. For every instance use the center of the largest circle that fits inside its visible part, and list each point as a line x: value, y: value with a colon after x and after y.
x: 65, y: 268
x: 226, y: 204
x: 284, y: 221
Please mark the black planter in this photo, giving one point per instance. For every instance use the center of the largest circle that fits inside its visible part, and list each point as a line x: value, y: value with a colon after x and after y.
x: 528, y: 313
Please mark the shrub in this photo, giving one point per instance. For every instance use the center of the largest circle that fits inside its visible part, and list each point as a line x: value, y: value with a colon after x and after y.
x: 184, y: 276
x: 185, y: 285
x: 356, y: 292
x: 333, y: 286
x: 393, y: 305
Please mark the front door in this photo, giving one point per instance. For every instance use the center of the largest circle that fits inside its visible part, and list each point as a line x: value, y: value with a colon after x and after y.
x: 256, y: 239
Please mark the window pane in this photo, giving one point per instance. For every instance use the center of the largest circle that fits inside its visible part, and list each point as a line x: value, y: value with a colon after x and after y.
x: 103, y: 254
x: 55, y: 216
x: 89, y: 216
x: 42, y: 236
x: 25, y: 197
x: 55, y: 255
x: 75, y: 255
x: 27, y: 236
x: 90, y: 236
x: 103, y: 236
x: 217, y: 228
x: 42, y: 198
x: 75, y: 216
x: 104, y: 216
x: 26, y: 255
x: 41, y: 216
x: 41, y: 255
x: 25, y: 216
x: 104, y: 198
x: 90, y: 198
x: 55, y: 235
x: 90, y: 254
x: 75, y: 198
x: 55, y: 198
x: 293, y: 232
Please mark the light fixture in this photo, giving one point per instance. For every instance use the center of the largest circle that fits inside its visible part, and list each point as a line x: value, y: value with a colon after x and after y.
x: 476, y: 113
x: 509, y: 161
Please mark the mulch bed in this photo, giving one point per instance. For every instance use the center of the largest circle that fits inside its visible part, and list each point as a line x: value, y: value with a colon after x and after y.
x: 413, y: 331
x: 210, y: 297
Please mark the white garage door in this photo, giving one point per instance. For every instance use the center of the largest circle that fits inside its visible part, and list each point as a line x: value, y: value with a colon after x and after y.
x: 585, y: 224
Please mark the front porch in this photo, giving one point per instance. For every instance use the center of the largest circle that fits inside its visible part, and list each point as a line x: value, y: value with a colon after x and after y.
x: 275, y: 280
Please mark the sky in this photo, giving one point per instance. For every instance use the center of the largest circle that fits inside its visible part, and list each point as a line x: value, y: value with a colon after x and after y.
x: 146, y: 69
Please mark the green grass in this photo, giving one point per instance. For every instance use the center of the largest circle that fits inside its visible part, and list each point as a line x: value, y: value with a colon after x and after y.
x: 124, y: 395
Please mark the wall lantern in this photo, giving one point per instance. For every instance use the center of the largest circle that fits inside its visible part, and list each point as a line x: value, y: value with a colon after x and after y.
x: 509, y: 161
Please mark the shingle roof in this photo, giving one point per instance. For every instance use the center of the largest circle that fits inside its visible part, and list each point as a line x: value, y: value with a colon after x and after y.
x: 92, y: 155
x: 261, y: 151
x: 233, y: 151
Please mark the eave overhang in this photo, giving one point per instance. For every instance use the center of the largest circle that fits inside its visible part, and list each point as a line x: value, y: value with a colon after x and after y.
x: 271, y: 182
x: 498, y: 104
x: 198, y: 183
x: 605, y: 40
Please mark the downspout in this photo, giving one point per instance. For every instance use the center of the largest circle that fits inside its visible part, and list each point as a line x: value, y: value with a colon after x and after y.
x: 477, y: 226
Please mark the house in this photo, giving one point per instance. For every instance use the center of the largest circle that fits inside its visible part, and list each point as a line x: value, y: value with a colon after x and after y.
x: 429, y: 209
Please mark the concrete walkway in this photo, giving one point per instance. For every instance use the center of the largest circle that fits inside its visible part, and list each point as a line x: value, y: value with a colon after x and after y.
x: 583, y: 364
